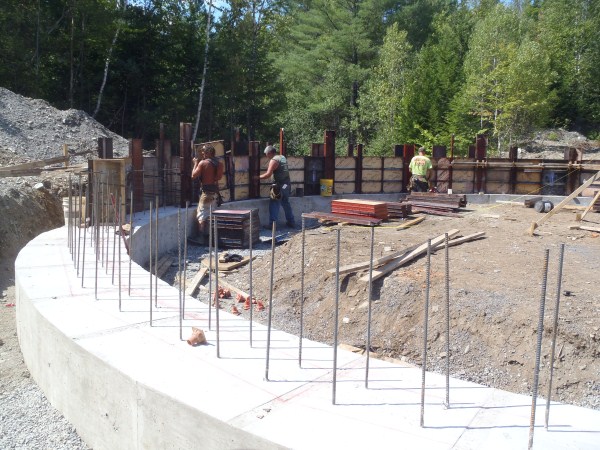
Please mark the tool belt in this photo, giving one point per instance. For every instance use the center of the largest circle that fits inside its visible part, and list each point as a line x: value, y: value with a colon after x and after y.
x: 275, y: 192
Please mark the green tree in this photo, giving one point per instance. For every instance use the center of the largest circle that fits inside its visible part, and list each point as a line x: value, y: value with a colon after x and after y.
x: 569, y: 32
x: 324, y: 59
x: 381, y: 101
x: 436, y: 78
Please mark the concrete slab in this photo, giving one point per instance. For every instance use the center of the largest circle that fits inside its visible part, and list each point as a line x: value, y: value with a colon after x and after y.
x: 127, y: 384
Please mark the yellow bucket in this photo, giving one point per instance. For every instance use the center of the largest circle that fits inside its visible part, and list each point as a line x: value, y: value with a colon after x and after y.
x: 326, y: 187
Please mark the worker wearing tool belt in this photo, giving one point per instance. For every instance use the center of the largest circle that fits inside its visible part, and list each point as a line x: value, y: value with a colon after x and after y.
x: 420, y: 168
x: 281, y: 188
x: 210, y: 171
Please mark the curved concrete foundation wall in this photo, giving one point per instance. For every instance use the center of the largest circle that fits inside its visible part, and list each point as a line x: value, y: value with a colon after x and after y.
x: 128, y: 380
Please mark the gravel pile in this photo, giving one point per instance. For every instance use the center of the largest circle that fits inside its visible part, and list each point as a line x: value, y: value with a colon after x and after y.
x: 28, y: 421
x: 32, y: 130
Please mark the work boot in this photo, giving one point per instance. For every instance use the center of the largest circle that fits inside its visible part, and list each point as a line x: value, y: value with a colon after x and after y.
x: 291, y: 225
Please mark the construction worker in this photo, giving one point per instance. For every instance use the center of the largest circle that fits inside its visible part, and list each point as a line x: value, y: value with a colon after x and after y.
x: 420, y: 167
x: 281, y: 189
x: 210, y: 171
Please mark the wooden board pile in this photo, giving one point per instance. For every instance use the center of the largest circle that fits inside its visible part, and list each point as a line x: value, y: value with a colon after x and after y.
x: 398, y: 210
x: 368, y: 208
x: 354, y: 212
x: 389, y: 263
x: 233, y: 227
x: 438, y: 204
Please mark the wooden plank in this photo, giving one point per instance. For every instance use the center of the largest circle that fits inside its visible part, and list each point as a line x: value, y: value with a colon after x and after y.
x: 195, y: 283
x: 461, y: 240
x: 392, y: 265
x: 558, y: 207
x: 590, y: 206
x: 410, y: 223
x: 36, y: 164
x: 163, y: 265
x: 351, y: 268
x: 226, y: 267
x: 584, y: 227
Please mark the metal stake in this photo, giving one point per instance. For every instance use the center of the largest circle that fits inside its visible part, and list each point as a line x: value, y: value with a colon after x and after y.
x: 540, y: 331
x: 370, y: 308
x: 114, y: 235
x: 210, y: 264
x: 120, y: 234
x: 336, y: 315
x: 250, y: 276
x: 302, y: 292
x: 447, y: 292
x: 180, y: 297
x: 425, y: 329
x: 156, y: 208
x: 187, y: 205
x: 554, y: 330
x: 150, y: 256
x: 273, y: 231
x: 217, y: 300
x: 85, y: 216
x: 130, y: 246
x: 78, y: 223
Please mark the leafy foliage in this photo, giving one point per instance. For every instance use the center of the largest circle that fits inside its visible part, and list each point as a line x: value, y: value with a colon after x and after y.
x: 378, y: 72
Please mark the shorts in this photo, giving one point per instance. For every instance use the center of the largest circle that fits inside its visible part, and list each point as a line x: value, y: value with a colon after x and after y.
x: 207, y: 199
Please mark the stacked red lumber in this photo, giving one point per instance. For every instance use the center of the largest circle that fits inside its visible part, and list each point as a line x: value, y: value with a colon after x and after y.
x: 366, y: 208
x: 397, y: 210
x: 343, y: 218
x: 438, y: 204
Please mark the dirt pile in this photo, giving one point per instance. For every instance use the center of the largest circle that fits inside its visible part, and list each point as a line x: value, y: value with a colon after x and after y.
x: 495, y: 292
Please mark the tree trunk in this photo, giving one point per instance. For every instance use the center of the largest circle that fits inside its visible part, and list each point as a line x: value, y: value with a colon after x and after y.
x: 202, y: 84
x: 110, y: 50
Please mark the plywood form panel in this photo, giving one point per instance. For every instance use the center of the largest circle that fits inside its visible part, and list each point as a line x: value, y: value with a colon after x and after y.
x: 371, y: 188
x: 393, y: 163
x: 372, y: 162
x: 392, y: 186
x: 343, y: 188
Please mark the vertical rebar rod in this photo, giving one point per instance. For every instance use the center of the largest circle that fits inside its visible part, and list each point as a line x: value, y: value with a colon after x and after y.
x: 156, y: 247
x: 210, y: 264
x: 273, y: 231
x: 130, y: 243
x: 185, y: 225
x: 554, y: 330
x: 303, y: 262
x: 85, y: 223
x: 217, y: 299
x: 370, y: 307
x: 97, y: 245
x: 425, y: 330
x: 250, y: 244
x: 120, y: 237
x: 150, y: 255
x: 114, y: 236
x: 180, y: 296
x: 78, y: 224
x: 69, y: 221
x: 447, y: 295
x: 540, y: 332
x: 336, y: 314
x: 106, y: 227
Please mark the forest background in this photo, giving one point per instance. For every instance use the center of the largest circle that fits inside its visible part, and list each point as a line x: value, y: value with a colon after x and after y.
x: 378, y: 72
